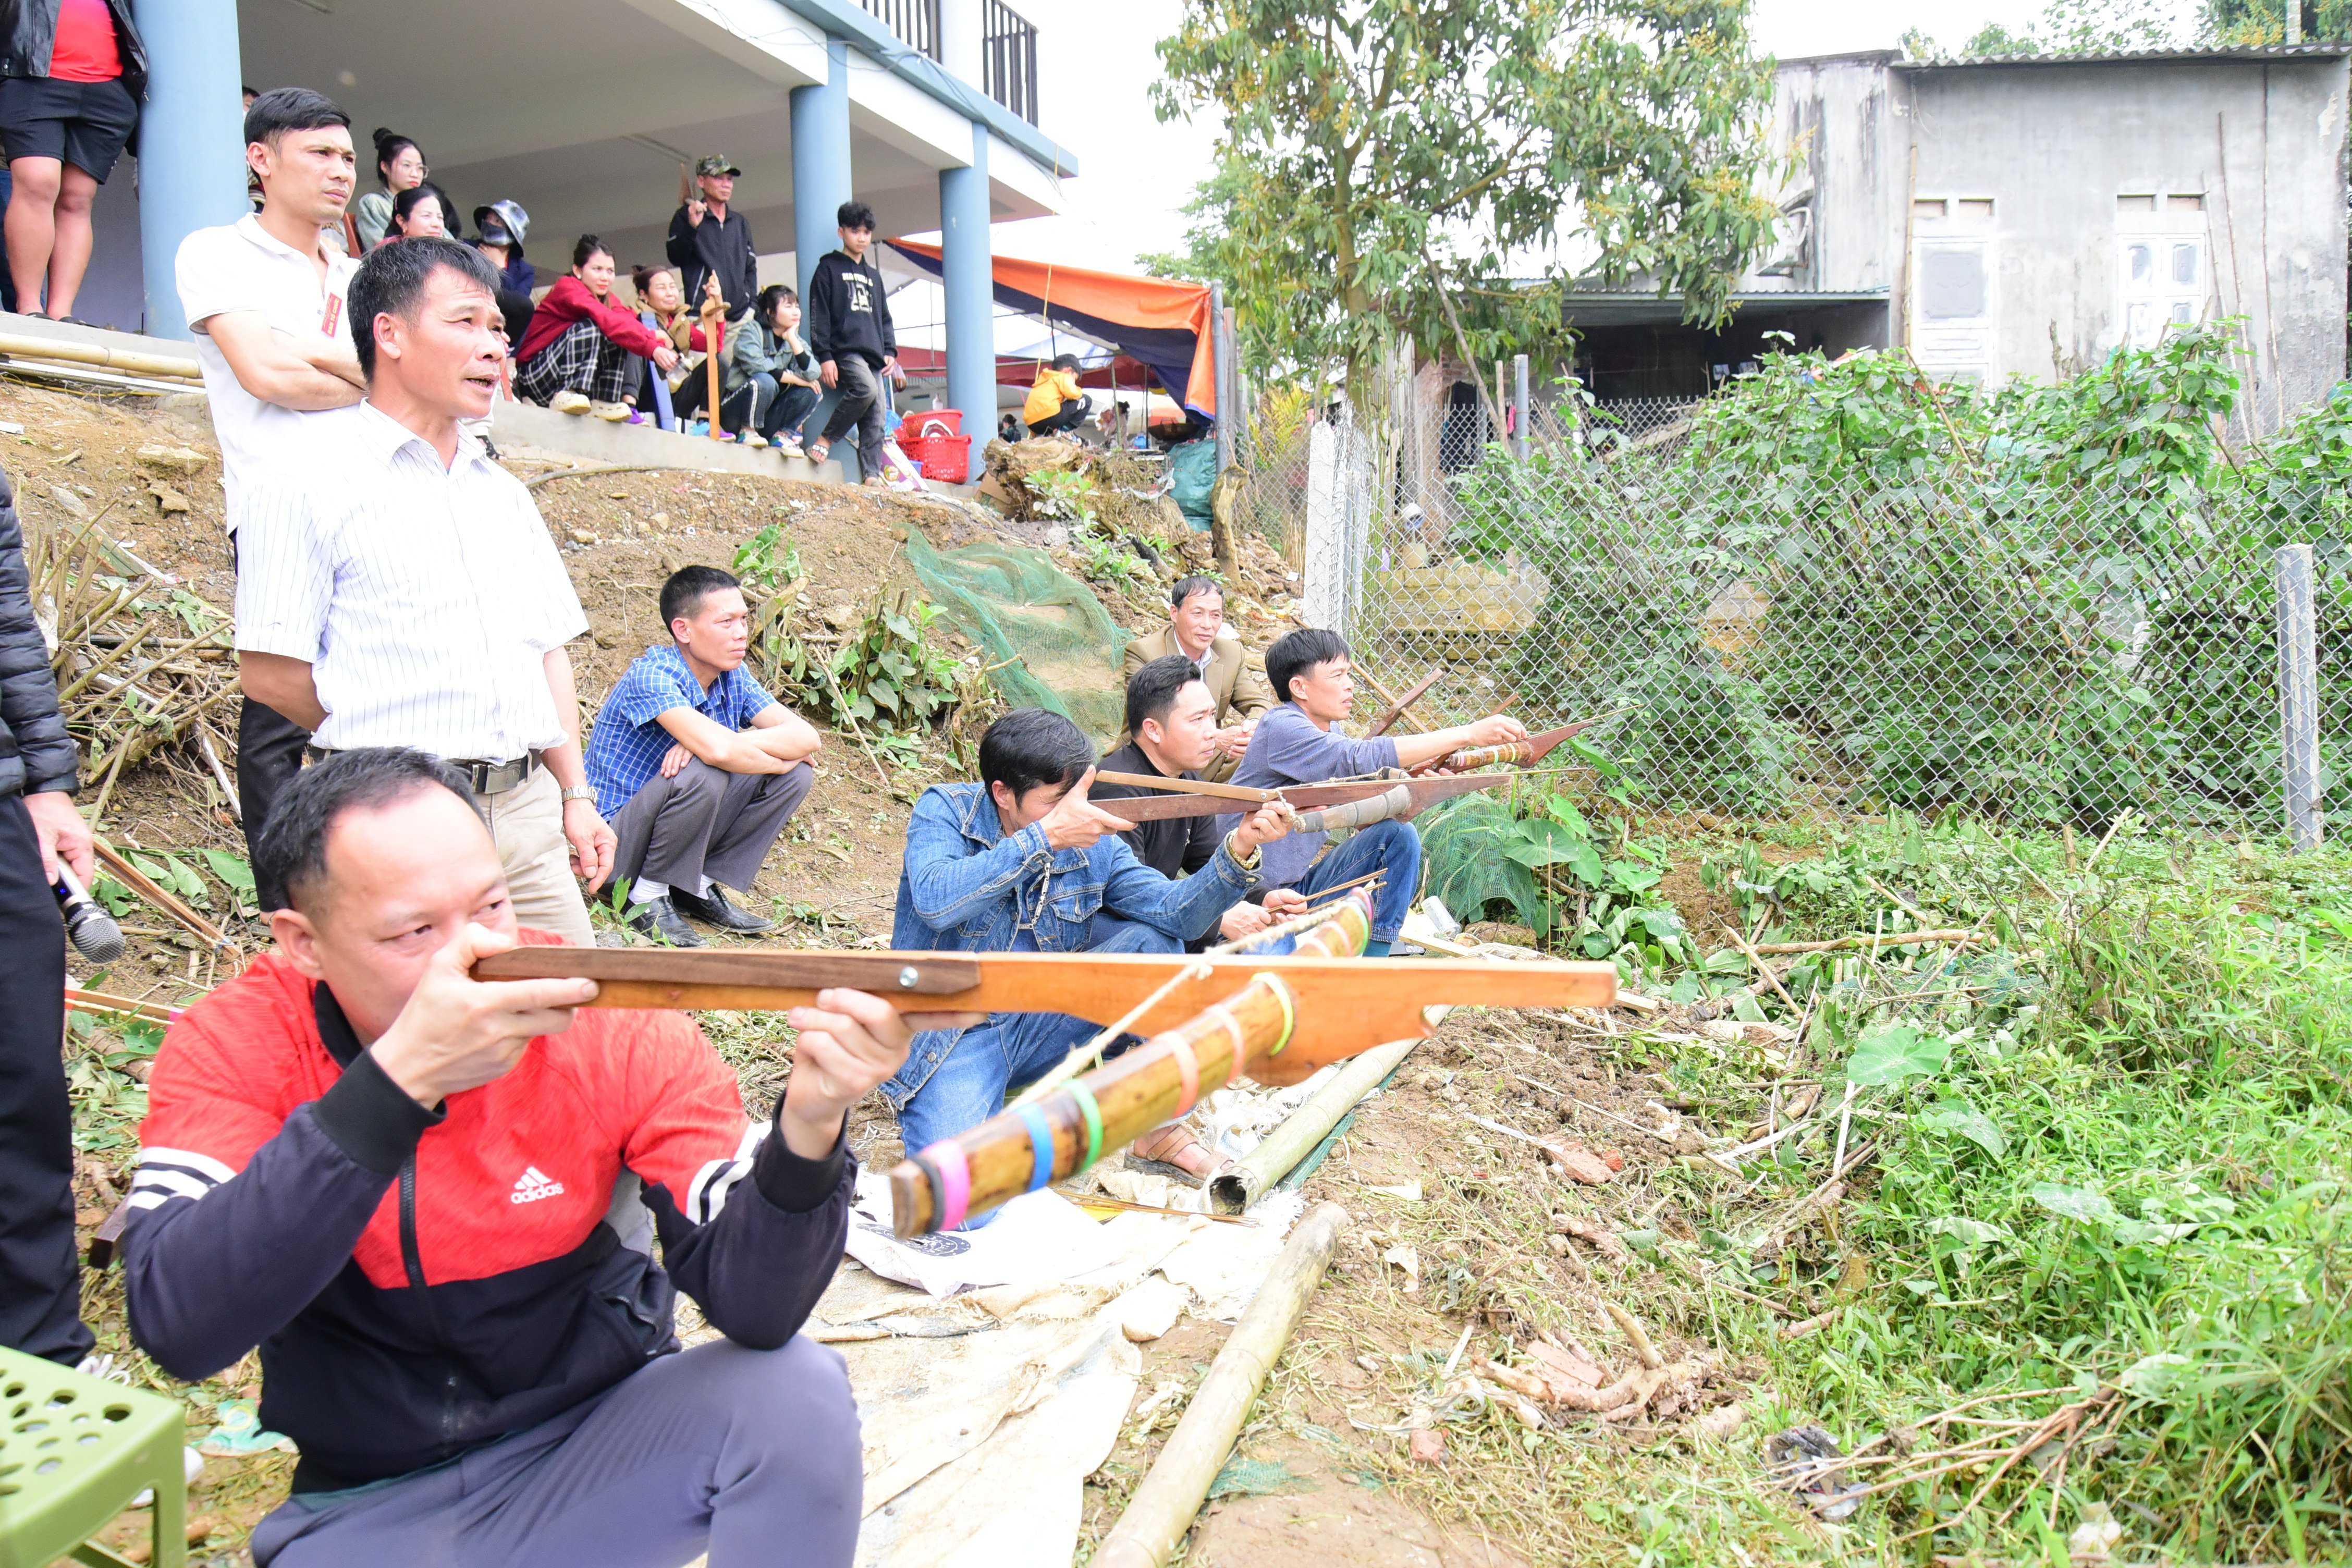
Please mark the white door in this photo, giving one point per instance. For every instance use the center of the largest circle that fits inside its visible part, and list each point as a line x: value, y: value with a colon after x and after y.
x: 1954, y: 306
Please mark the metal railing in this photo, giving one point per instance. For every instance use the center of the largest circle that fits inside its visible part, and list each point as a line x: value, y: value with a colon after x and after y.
x: 1009, y: 64
x: 916, y: 22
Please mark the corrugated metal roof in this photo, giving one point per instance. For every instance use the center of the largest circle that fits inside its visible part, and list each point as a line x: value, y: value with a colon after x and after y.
x: 2329, y: 51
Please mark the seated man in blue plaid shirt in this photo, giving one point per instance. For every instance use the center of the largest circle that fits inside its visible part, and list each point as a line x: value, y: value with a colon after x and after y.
x: 695, y: 765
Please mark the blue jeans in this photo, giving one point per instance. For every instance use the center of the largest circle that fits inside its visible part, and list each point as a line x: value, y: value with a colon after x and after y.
x: 1390, y: 847
x: 968, y: 1084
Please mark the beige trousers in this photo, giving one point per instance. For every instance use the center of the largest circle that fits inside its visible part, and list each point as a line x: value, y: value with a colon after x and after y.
x: 527, y: 821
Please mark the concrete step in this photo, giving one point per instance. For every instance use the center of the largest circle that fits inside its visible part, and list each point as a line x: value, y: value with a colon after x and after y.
x: 643, y: 446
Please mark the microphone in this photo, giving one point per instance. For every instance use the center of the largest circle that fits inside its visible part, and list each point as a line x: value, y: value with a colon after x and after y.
x: 95, y: 935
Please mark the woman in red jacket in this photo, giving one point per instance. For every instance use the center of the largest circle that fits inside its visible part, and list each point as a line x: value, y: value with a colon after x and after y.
x: 580, y: 353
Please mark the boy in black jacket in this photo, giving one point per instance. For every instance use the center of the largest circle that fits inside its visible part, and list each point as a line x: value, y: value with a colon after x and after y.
x: 849, y: 328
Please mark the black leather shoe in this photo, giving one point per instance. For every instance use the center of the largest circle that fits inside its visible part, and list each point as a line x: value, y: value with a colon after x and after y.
x: 658, y: 919
x: 715, y: 910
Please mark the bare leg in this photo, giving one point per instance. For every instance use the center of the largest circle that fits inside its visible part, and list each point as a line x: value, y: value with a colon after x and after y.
x: 69, y: 252
x: 32, y: 227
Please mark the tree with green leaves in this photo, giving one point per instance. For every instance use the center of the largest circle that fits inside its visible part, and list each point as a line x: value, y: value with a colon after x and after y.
x: 1434, y: 167
x: 2243, y: 23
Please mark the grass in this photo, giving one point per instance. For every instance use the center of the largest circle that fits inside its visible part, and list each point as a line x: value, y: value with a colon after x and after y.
x: 2105, y: 1161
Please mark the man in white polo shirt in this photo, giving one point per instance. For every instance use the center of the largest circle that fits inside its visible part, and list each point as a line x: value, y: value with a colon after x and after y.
x: 265, y: 296
x: 400, y: 589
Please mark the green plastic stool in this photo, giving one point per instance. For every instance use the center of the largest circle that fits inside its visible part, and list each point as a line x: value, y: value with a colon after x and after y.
x: 74, y: 1451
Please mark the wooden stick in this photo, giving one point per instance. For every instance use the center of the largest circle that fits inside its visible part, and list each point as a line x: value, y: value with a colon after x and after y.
x: 1765, y: 970
x: 1344, y: 1004
x: 1848, y: 943
x: 1397, y: 707
x: 1161, y: 1511
x: 139, y: 883
x: 1185, y: 786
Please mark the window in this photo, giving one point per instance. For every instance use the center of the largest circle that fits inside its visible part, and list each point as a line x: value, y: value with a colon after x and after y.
x: 2163, y: 284
x: 1952, y: 284
x: 1979, y: 208
x: 1928, y: 208
x: 2144, y: 204
x: 2184, y: 202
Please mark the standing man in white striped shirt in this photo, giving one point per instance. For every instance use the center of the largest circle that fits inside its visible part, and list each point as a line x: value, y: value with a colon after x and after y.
x: 398, y: 588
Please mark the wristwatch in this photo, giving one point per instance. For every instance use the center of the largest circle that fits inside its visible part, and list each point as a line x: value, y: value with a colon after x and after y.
x: 1248, y: 863
x: 581, y: 791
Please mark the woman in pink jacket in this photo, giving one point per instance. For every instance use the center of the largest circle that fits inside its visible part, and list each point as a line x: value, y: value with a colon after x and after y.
x: 580, y: 354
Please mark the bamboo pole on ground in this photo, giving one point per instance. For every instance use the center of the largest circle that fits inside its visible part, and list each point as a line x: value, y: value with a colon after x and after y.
x: 1163, y: 1507
x: 1292, y: 1141
x: 21, y: 346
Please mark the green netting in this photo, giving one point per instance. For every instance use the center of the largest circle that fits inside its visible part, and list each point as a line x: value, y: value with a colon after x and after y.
x: 1193, y: 470
x: 1012, y: 601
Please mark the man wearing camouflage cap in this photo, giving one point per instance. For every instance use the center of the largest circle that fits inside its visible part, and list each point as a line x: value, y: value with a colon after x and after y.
x: 708, y: 240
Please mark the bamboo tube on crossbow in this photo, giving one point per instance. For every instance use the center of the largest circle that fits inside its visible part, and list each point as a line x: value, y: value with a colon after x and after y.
x: 1524, y: 754
x: 1068, y: 1130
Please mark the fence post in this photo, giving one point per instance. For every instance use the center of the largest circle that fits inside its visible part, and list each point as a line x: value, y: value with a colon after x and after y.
x: 1223, y: 374
x: 2299, y: 695
x: 1520, y: 406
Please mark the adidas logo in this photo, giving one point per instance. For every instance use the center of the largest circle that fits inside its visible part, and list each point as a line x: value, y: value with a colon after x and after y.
x: 532, y: 1186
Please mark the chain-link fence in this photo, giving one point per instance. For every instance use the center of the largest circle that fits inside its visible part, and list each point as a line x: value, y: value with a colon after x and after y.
x: 2047, y: 653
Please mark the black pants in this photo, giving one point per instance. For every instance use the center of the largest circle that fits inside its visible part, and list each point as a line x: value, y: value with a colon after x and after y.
x: 269, y: 755
x: 861, y: 406
x: 40, y: 1282
x: 1069, y: 417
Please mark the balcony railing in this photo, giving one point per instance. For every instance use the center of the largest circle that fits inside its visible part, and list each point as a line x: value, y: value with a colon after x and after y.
x: 1009, y: 65
x: 1008, y: 45
x: 916, y: 22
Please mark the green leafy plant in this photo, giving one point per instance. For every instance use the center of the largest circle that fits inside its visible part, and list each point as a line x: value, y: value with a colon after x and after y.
x: 890, y: 673
x: 1064, y: 493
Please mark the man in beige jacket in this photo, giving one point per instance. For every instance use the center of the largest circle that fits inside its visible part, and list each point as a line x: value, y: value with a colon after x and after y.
x: 1197, y: 631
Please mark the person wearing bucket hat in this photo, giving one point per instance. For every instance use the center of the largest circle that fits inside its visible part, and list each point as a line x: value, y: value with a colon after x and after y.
x: 499, y: 230
x: 708, y: 239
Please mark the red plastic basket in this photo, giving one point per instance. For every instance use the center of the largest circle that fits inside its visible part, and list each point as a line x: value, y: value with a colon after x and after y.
x: 935, y: 422
x: 947, y: 459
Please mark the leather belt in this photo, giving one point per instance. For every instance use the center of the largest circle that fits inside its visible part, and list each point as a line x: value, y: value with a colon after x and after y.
x: 484, y: 778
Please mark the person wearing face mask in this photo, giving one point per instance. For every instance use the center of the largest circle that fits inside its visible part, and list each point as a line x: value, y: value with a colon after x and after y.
x: 499, y: 234
x: 399, y: 166
x: 580, y: 355
x: 771, y: 386
x: 400, y: 589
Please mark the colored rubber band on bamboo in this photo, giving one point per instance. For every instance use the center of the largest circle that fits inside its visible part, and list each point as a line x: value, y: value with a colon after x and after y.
x: 1289, y: 1012
x: 1093, y: 1113
x: 1188, y: 1068
x: 946, y: 1158
x: 1041, y: 1144
x: 1233, y: 1026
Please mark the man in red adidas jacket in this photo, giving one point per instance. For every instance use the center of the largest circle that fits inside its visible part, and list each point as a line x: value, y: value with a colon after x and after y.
x: 431, y: 1201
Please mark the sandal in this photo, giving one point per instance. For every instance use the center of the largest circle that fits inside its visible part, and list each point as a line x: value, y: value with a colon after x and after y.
x: 1173, y: 1150
x: 816, y: 451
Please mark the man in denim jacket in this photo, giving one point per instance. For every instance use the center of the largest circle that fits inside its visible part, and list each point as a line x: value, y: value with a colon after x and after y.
x: 1022, y: 862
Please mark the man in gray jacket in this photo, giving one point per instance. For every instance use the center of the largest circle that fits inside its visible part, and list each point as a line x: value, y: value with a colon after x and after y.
x: 40, y: 1290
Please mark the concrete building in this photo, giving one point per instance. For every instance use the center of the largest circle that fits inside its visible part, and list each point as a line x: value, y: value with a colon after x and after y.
x: 583, y: 110
x: 2009, y: 216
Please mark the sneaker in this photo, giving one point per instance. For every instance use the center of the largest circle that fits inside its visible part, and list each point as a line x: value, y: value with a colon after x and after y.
x: 611, y: 413
x: 789, y: 449
x: 715, y: 910
x: 749, y: 438
x: 570, y: 402
x: 658, y: 917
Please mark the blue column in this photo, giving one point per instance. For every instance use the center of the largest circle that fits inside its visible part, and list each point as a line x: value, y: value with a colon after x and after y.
x: 190, y: 139
x: 969, y: 282
x: 821, y: 174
